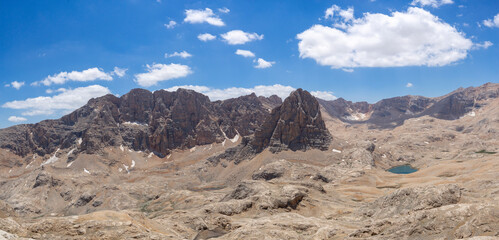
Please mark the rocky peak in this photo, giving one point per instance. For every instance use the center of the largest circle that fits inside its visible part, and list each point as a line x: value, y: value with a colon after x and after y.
x: 270, y: 102
x: 295, y: 125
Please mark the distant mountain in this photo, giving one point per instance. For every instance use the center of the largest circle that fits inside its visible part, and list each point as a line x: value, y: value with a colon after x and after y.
x: 392, y: 112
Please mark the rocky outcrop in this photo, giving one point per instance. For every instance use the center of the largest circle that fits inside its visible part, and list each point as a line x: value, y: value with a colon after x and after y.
x: 259, y: 195
x: 141, y: 120
x: 295, y: 125
x: 407, y: 200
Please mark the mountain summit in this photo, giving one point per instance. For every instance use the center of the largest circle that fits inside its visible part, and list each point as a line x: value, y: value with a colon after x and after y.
x: 297, y: 124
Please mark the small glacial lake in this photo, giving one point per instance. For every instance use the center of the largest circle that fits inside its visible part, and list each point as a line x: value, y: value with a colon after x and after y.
x: 403, y: 169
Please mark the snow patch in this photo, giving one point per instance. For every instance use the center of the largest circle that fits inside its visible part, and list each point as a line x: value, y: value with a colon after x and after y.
x: 336, y: 150
x: 122, y: 148
x: 133, y: 164
x: 150, y: 155
x: 69, y: 164
x: 356, y: 117
x: 471, y: 114
x: 384, y: 156
x: 52, y: 159
x: 71, y: 151
x: 426, y: 143
x: 10, y: 170
x: 235, y: 138
x: 126, y: 168
x: 120, y: 169
x: 135, y: 124
x: 168, y: 157
x: 192, y: 149
x: 223, y: 143
x: 225, y: 135
x: 80, y: 141
x: 86, y: 171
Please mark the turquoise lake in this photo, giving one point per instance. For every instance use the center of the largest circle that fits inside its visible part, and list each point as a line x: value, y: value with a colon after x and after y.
x: 403, y: 169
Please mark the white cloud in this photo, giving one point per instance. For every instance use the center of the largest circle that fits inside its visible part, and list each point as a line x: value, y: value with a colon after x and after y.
x: 263, y: 64
x: 348, y: 70
x: 492, y: 22
x: 67, y: 100
x: 161, y: 72
x: 203, y: 16
x: 432, y: 3
x: 17, y: 119
x: 483, y: 45
x: 224, y: 10
x: 347, y: 15
x: 409, y: 85
x: 411, y: 38
x: 261, y: 90
x: 120, y: 72
x: 182, y: 54
x: 206, y: 37
x: 170, y: 24
x: 244, y: 53
x: 233, y: 92
x: 236, y: 37
x: 325, y: 95
x: 90, y: 74
x: 15, y: 84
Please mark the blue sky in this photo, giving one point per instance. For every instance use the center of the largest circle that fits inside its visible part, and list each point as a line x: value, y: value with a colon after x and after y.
x: 55, y: 55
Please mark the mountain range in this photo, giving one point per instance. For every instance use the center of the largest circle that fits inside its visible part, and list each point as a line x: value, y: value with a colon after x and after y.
x: 175, y: 165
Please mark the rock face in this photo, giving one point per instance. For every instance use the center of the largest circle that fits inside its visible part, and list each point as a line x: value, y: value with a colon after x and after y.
x: 295, y: 125
x: 392, y: 112
x: 141, y: 120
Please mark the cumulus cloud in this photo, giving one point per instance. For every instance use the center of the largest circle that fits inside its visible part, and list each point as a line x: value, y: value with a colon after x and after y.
x: 15, y: 84
x: 261, y: 90
x: 492, y: 22
x: 203, y: 16
x: 244, y: 53
x: 16, y: 119
x: 236, y: 37
x: 120, y: 72
x: 224, y: 10
x: 206, y: 37
x: 182, y: 54
x: 67, y: 100
x: 221, y: 94
x: 90, y: 74
x: 411, y: 38
x: 409, y: 85
x: 325, y: 95
x: 170, y: 24
x: 161, y: 72
x: 263, y: 64
x: 432, y: 3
